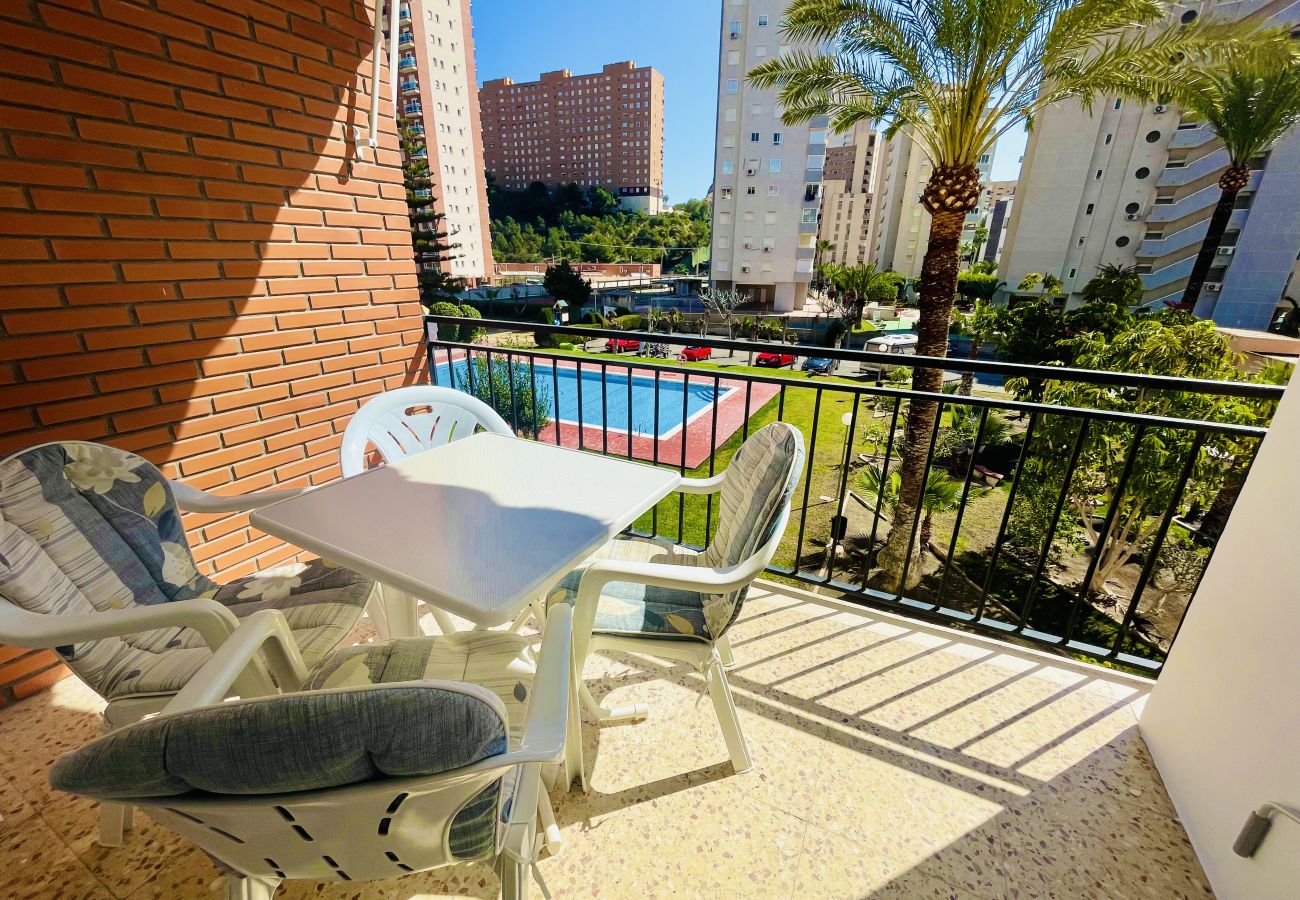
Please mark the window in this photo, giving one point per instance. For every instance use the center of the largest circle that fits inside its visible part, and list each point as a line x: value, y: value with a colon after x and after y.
x: 729, y: 115
x: 984, y: 159
x: 751, y: 190
x: 773, y: 190
x: 762, y: 21
x: 816, y: 161
x: 727, y: 167
x: 1108, y: 137
x: 1099, y: 174
x: 726, y: 193
x: 809, y: 216
x: 774, y: 166
x: 1118, y: 102
x: 732, y: 85
x: 776, y: 139
x: 728, y: 140
x: 753, y: 137
x: 760, y: 50
x: 769, y: 218
x: 1088, y: 211
x: 734, y: 27
x: 733, y: 57
x: 1073, y: 272
x: 1081, y: 242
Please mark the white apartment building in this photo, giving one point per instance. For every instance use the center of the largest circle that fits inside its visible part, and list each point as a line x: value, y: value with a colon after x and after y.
x: 846, y: 197
x: 1134, y: 185
x: 767, y: 175
x: 439, y: 92
x: 899, y: 230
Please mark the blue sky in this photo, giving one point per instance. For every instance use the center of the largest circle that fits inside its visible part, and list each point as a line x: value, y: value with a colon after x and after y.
x: 521, y: 39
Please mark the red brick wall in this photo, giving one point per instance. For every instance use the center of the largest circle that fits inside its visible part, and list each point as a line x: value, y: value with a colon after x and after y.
x: 190, y: 265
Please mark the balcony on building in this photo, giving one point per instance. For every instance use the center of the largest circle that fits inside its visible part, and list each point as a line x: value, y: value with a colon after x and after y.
x: 1005, y: 723
x: 406, y: 63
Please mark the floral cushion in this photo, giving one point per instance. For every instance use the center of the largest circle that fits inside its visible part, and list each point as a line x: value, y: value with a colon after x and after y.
x: 636, y: 609
x: 85, y: 528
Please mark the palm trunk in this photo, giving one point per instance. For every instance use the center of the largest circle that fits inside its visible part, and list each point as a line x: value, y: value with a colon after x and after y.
x: 1230, y: 184
x: 938, y: 285
x: 968, y: 378
x: 1216, y: 517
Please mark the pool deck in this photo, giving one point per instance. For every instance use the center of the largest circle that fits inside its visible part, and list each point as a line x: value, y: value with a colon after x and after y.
x: 701, y: 436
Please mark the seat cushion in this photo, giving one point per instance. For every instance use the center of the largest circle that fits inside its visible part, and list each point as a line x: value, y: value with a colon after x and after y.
x: 640, y: 610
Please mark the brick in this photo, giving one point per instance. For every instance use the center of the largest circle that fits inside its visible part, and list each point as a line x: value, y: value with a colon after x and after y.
x: 233, y: 150
x: 253, y: 193
x: 152, y: 22
x: 224, y: 107
x: 242, y: 362
x: 146, y: 377
x: 17, y: 172
x: 284, y: 373
x: 201, y: 209
x: 94, y: 202
x: 107, y: 250
x: 319, y: 350
x: 65, y: 320
x: 116, y: 85
x: 99, y: 294
x: 171, y: 118
x: 299, y: 84
x: 189, y: 165
x: 47, y: 148
x: 309, y: 319
x: 217, y: 63
x: 165, y: 72
x: 207, y: 14
x: 41, y: 345
x: 28, y: 66
x: 261, y: 94
x: 131, y: 135
x: 203, y: 387
x: 97, y: 29
x: 18, y: 248
x: 181, y: 312
x: 94, y: 407
x: 170, y: 414
x: 64, y: 99
x: 38, y: 41
x: 26, y: 665
x: 268, y: 461
x: 250, y: 397
x: 320, y: 383
x: 39, y: 682
x: 273, y: 137
x: 58, y: 273
x: 147, y: 443
x: 138, y: 336
x: 274, y: 340
x: 234, y: 289
x: 149, y: 228
x: 171, y: 271
x: 80, y: 364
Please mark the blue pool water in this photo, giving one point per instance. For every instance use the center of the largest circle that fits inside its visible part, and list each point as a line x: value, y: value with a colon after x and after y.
x: 558, y: 391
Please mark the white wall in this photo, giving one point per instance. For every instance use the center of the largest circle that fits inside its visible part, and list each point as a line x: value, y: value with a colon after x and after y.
x: 1223, y: 722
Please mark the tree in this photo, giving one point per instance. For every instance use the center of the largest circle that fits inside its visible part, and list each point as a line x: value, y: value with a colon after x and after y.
x: 506, y: 386
x: 1249, y: 112
x: 427, y: 241
x: 956, y: 75
x: 1189, y: 350
x: 983, y: 325
x: 857, y: 284
x: 1051, y: 284
x: 978, y: 239
x: 1117, y: 285
x: 563, y: 282
x: 821, y: 248
x: 941, y: 494
x: 722, y: 302
x: 974, y: 286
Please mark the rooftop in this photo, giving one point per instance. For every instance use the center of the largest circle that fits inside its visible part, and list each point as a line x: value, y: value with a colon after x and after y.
x: 892, y: 759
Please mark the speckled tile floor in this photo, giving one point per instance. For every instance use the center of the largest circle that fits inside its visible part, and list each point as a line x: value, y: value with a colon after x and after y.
x: 890, y: 761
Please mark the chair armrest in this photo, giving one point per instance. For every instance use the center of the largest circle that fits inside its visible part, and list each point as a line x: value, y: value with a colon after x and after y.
x: 192, y: 499
x: 214, y: 623
x: 265, y: 631
x: 548, y: 707
x: 686, y: 578
x: 702, y: 485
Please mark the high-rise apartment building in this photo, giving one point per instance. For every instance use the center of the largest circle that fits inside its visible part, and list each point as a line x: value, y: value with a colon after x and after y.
x: 994, y: 213
x: 603, y: 130
x: 1134, y: 185
x: 439, y: 101
x: 846, y: 198
x: 767, y: 176
x: 899, y: 229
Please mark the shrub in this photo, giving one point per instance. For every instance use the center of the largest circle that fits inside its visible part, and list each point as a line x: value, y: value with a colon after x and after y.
x: 591, y: 317
x: 976, y: 286
x: 630, y: 322
x: 443, y: 308
x: 468, y: 333
x: 498, y: 381
x: 545, y: 340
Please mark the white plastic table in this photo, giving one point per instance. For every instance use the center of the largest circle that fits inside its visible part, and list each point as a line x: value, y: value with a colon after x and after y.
x: 479, y: 527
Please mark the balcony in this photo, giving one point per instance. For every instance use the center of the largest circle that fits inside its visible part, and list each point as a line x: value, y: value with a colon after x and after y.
x: 409, y: 86
x: 405, y: 63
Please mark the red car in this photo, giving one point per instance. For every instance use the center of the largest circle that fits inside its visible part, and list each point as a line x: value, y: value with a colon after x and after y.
x: 775, y: 360
x: 619, y: 345
x: 695, y: 354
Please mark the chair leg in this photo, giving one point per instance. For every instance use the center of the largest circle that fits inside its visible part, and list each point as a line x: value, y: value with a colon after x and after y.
x: 724, y: 651
x: 250, y: 887
x: 619, y: 715
x: 725, y: 706
x: 114, y: 820
x: 514, y: 879
x: 445, y: 625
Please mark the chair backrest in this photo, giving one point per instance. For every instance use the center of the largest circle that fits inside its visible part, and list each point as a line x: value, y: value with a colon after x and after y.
x: 407, y: 420
x: 753, y: 509
x: 85, y: 527
x: 353, y: 783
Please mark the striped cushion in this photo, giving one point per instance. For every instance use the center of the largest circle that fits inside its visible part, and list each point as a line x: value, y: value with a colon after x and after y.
x: 85, y: 528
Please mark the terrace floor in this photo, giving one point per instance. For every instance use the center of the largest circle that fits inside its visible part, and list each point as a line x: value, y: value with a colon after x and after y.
x: 891, y: 760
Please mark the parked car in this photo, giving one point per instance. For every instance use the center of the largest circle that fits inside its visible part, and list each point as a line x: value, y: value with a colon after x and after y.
x: 621, y: 345
x: 817, y: 365
x: 775, y: 360
x: 695, y: 354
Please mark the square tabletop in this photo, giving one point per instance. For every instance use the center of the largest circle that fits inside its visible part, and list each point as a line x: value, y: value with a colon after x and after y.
x: 479, y: 527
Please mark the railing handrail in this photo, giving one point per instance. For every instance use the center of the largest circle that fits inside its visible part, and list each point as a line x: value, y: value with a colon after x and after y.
x: 1245, y: 389
x: 1015, y: 406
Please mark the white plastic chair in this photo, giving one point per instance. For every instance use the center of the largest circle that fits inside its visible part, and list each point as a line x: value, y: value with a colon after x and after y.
x: 399, y: 423
x: 101, y: 609
x: 378, y: 828
x: 701, y: 641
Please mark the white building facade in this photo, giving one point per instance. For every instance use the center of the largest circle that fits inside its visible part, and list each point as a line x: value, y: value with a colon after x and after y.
x: 1134, y: 185
x: 767, y: 175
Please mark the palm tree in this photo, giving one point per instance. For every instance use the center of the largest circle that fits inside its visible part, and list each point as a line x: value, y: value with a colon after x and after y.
x: 821, y: 248
x: 857, y: 284
x: 983, y: 325
x: 956, y: 75
x: 941, y: 494
x: 1249, y: 112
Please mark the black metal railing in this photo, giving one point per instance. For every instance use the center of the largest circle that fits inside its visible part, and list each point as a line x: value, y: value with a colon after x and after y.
x: 1084, y: 527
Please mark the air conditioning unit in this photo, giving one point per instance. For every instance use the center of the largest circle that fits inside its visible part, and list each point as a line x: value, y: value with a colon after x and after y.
x: 1226, y: 251
x: 767, y: 249
x: 749, y: 245
x: 734, y: 35
x: 1161, y: 108
x: 744, y: 270
x: 751, y: 172
x: 1131, y: 216
x: 1213, y: 287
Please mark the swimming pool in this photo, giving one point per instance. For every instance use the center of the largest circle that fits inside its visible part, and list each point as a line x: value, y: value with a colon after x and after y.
x: 559, y: 389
